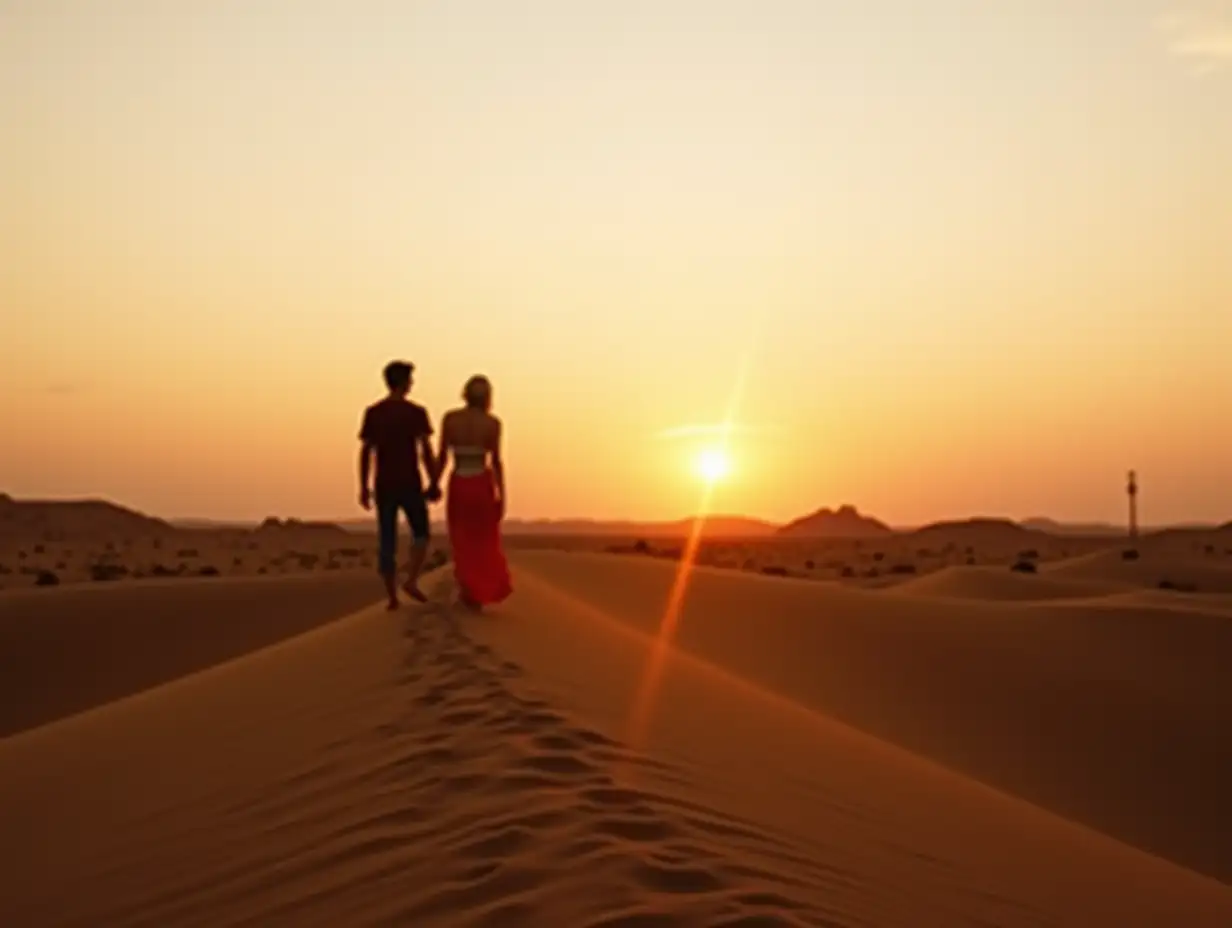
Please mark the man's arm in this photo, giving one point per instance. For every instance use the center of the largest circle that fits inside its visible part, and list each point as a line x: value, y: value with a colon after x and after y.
x: 365, y: 461
x: 498, y: 467
x: 429, y: 459
x: 365, y: 471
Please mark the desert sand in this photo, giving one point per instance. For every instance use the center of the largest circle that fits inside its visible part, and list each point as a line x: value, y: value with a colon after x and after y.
x: 974, y: 746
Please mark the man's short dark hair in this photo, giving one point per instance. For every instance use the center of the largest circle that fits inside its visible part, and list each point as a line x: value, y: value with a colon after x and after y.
x: 398, y: 374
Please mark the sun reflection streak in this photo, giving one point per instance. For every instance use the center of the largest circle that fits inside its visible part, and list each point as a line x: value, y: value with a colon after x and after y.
x: 640, y: 716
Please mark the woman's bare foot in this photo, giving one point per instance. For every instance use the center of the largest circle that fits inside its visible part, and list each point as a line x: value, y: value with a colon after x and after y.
x: 412, y: 590
x: 470, y: 604
x: 392, y: 605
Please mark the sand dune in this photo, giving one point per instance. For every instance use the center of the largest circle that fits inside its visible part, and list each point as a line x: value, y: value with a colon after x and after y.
x: 1154, y: 565
x: 997, y: 583
x: 1110, y: 716
x: 429, y: 768
x: 65, y: 650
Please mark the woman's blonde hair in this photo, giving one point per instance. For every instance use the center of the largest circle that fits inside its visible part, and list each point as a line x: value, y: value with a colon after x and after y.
x: 478, y: 392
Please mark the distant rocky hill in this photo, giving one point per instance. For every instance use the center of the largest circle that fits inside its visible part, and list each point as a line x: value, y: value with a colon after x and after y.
x: 1053, y: 527
x: 273, y: 524
x: 56, y: 519
x: 844, y: 522
x: 977, y: 531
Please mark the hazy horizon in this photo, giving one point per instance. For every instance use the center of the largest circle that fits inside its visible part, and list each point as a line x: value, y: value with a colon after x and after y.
x: 936, y: 259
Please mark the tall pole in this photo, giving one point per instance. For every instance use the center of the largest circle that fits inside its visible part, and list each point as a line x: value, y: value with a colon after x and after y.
x: 1131, y: 488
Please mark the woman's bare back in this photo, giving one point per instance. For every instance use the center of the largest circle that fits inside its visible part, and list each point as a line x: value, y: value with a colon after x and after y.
x: 470, y: 428
x: 472, y: 436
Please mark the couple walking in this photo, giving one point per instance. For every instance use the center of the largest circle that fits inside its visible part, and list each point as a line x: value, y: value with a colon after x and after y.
x: 398, y: 433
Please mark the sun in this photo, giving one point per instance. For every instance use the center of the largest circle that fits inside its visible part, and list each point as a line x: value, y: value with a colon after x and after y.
x: 713, y: 464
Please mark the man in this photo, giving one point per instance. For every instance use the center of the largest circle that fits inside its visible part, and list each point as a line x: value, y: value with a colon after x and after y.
x: 397, y: 432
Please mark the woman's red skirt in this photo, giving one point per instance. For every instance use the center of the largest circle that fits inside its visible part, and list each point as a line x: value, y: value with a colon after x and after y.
x: 474, y: 534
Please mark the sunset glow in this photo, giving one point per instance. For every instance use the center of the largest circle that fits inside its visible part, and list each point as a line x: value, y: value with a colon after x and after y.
x: 713, y: 465
x: 969, y: 233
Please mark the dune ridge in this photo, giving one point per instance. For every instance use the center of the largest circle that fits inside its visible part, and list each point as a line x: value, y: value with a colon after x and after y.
x: 436, y: 768
x: 1109, y: 716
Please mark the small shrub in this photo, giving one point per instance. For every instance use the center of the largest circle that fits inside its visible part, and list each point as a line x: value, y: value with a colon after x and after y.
x: 774, y: 571
x: 641, y: 546
x: 103, y: 573
x: 161, y: 570
x: 878, y: 555
x: 188, y: 552
x: 903, y: 569
x: 1177, y: 587
x: 46, y: 578
x: 40, y: 549
x: 263, y: 570
x: 970, y: 561
x: 847, y: 573
x: 209, y: 570
x: 1129, y: 554
x: 1023, y: 566
x: 1029, y: 555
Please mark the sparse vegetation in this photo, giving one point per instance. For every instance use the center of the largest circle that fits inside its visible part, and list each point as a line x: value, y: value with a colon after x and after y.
x: 46, y: 578
x: 104, y: 573
x: 1024, y: 566
x: 1129, y: 554
x: 774, y: 571
x: 209, y: 570
x: 903, y: 569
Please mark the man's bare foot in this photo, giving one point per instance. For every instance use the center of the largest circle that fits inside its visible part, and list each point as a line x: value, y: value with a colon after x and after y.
x: 392, y: 605
x: 412, y: 590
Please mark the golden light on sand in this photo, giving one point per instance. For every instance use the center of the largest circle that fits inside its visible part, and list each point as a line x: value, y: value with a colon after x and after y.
x: 713, y: 465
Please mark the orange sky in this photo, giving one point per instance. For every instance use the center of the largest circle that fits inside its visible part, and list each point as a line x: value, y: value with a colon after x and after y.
x: 974, y: 258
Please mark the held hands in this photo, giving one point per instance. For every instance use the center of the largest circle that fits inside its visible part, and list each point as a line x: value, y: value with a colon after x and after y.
x: 433, y: 493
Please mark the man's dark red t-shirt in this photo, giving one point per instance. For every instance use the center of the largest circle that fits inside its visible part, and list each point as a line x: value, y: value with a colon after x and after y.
x: 394, y: 428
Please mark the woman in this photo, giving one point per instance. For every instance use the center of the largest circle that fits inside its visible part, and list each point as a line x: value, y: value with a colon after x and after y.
x: 476, y: 501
